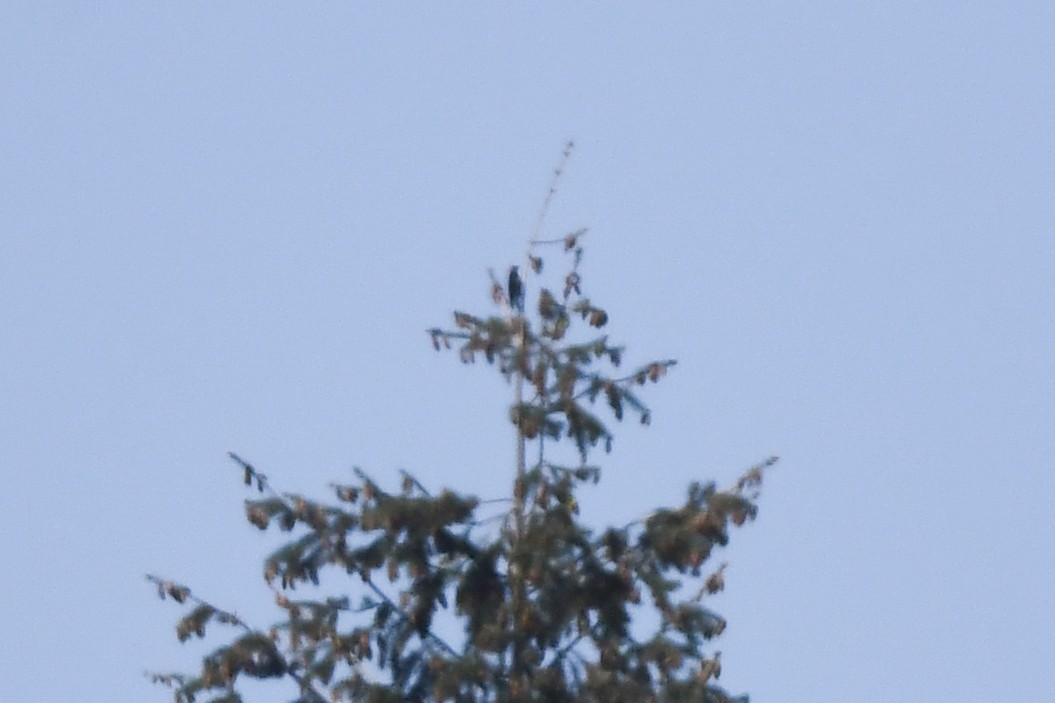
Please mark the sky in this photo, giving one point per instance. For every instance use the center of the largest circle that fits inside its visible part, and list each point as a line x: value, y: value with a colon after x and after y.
x: 225, y: 227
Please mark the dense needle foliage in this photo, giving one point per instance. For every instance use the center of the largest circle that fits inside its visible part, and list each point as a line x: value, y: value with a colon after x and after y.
x: 445, y: 597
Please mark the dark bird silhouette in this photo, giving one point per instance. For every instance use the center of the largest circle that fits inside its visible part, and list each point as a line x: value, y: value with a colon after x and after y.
x: 516, y: 289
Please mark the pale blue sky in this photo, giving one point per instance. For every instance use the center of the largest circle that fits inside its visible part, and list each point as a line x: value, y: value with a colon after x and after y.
x: 226, y: 227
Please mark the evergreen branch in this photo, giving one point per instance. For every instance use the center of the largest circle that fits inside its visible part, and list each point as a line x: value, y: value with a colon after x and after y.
x: 650, y: 372
x: 251, y: 475
x: 565, y: 239
x: 182, y: 594
x: 496, y: 500
x: 398, y: 609
x: 363, y: 476
x: 569, y: 648
x: 411, y: 480
x: 568, y: 241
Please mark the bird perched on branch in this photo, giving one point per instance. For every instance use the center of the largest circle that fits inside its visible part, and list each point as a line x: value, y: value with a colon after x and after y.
x: 516, y: 289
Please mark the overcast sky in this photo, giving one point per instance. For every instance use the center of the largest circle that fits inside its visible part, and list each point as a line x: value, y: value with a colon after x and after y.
x: 226, y: 226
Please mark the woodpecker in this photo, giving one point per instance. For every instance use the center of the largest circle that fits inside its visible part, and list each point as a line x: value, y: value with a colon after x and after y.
x: 516, y: 289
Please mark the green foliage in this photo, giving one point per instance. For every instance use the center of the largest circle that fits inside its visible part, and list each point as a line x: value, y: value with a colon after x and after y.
x: 448, y: 598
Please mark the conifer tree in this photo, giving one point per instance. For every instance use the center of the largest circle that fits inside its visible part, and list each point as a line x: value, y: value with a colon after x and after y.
x: 446, y: 597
